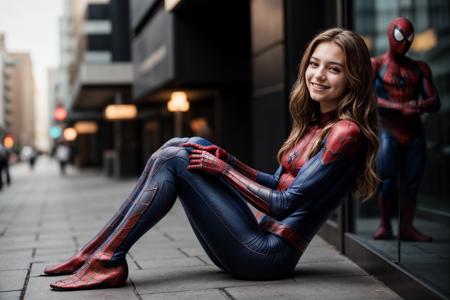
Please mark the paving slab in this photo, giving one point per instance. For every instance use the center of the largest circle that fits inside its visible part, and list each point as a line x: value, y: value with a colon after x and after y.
x: 14, y: 295
x: 171, y: 263
x: 187, y: 279
x: 321, y: 254
x: 12, y: 280
x: 340, y: 268
x: 188, y: 295
x: 356, y: 287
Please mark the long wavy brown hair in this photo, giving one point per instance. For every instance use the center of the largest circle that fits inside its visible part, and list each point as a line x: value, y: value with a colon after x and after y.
x: 358, y: 104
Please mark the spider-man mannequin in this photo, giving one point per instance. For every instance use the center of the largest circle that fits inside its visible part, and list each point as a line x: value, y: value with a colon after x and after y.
x: 399, y: 82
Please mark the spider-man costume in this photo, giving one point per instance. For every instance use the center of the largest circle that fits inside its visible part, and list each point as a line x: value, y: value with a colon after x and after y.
x: 297, y: 199
x: 399, y: 82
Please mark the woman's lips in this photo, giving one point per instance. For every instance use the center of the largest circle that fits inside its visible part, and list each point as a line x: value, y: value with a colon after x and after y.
x: 318, y: 86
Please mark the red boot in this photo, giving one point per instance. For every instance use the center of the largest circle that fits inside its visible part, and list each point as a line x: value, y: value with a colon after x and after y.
x: 100, y: 271
x: 384, y: 231
x: 95, y: 274
x: 407, y: 230
x: 77, y: 260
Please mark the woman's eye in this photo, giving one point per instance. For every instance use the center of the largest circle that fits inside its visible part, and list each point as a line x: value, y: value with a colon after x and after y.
x: 335, y: 70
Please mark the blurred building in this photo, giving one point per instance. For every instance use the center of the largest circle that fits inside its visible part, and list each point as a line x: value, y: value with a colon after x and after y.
x: 17, y: 113
x: 95, y: 71
x: 22, y: 93
x: 5, y: 88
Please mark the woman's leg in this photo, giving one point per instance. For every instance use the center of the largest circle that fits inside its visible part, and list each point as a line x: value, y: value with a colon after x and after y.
x: 218, y: 213
x: 77, y: 260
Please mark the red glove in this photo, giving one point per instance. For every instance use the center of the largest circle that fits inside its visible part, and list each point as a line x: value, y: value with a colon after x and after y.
x: 216, y: 150
x: 205, y: 161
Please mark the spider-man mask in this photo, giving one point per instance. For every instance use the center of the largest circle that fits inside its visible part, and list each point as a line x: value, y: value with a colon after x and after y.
x: 400, y: 34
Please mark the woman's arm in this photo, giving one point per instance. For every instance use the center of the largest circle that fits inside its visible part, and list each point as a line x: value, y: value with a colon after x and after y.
x: 265, y: 179
x: 318, y: 173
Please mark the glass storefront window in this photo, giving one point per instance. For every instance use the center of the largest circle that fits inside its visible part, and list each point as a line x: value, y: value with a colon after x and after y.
x: 430, y: 261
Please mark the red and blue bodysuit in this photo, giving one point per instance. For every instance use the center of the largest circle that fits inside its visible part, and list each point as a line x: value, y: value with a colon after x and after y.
x: 296, y: 200
x: 405, y: 91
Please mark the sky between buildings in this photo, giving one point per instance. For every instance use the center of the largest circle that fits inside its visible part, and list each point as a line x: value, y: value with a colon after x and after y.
x: 32, y: 26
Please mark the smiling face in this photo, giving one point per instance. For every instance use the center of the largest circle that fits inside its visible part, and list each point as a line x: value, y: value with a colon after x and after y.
x: 325, y: 75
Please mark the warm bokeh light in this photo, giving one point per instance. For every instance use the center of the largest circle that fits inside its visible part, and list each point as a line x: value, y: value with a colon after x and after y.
x: 8, y: 141
x: 200, y: 127
x: 424, y: 41
x: 120, y: 112
x: 86, y: 127
x: 70, y: 134
x: 178, y: 102
x: 60, y: 114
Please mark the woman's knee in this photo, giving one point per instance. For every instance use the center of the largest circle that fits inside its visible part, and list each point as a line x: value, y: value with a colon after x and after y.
x: 176, y: 141
x: 199, y: 140
x: 179, y: 141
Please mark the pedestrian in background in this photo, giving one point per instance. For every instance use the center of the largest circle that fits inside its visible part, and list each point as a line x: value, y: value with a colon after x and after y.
x: 4, y: 165
x: 63, y: 156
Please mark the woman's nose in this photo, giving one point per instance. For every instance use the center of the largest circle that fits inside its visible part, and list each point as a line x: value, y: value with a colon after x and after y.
x: 320, y: 73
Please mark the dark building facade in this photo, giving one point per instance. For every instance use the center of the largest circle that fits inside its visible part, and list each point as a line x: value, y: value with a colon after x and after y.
x: 200, y: 48
x: 102, y: 75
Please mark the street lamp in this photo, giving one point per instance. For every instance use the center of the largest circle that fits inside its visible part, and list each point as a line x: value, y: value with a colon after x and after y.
x: 120, y: 112
x: 177, y: 104
x: 86, y: 127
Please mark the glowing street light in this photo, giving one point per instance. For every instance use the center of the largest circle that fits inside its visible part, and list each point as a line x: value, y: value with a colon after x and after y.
x: 86, y: 127
x: 120, y: 112
x: 177, y: 104
x: 70, y: 134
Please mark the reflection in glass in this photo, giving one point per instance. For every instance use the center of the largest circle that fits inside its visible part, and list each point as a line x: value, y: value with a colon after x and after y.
x: 429, y: 261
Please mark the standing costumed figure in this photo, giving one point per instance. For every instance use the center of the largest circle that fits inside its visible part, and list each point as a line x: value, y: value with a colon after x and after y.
x: 405, y: 91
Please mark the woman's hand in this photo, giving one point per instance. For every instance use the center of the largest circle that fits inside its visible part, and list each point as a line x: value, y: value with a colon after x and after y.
x: 205, y: 161
x: 216, y: 150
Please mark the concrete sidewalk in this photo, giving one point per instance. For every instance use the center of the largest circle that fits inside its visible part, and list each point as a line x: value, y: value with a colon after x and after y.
x: 45, y: 217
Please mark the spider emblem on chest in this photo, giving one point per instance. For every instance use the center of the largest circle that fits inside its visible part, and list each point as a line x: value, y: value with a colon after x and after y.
x: 293, y: 155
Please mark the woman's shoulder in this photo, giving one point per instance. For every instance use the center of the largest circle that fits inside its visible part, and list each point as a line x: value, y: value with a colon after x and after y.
x: 343, y: 140
x: 344, y: 128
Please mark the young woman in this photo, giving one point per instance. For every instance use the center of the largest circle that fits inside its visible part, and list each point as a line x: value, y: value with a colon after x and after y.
x: 330, y: 151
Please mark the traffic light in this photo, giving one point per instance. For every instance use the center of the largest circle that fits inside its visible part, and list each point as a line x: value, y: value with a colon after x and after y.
x: 8, y: 141
x: 60, y: 114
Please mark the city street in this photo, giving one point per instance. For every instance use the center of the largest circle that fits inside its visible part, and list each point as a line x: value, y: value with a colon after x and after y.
x: 45, y: 217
